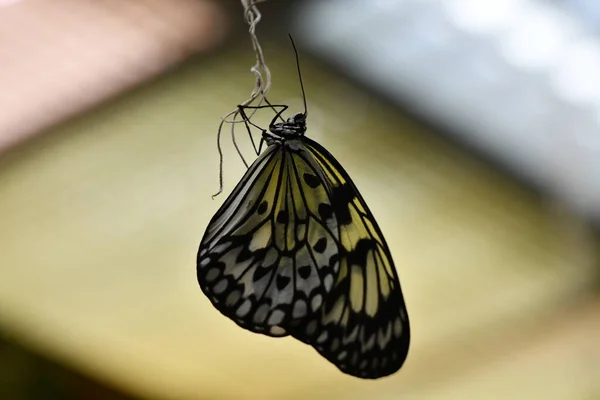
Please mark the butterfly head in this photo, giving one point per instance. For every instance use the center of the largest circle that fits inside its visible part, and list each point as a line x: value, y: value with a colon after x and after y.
x: 298, y: 121
x: 292, y: 128
x: 295, y: 126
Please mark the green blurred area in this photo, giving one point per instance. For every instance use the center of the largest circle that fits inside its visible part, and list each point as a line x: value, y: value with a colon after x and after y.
x: 101, y: 217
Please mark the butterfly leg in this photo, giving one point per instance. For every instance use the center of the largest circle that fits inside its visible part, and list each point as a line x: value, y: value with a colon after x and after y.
x: 274, y: 107
x: 247, y: 119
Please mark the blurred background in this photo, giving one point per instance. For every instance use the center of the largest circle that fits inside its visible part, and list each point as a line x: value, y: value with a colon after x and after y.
x: 470, y: 127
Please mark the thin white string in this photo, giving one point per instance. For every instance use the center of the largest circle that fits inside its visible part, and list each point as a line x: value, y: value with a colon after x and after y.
x: 263, y: 83
x: 261, y: 86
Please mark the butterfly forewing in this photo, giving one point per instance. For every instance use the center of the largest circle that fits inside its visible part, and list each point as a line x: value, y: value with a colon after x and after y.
x: 270, y: 254
x: 363, y: 326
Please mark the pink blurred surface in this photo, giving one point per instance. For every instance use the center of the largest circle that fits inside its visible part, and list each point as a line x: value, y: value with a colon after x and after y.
x: 62, y: 57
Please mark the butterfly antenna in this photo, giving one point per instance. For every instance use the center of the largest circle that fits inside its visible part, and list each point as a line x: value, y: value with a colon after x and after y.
x: 299, y: 74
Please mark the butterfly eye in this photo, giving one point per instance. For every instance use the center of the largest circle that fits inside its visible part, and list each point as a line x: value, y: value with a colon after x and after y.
x: 299, y: 118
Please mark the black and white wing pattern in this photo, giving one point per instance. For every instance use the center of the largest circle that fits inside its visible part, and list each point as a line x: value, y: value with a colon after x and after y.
x: 268, y: 257
x: 363, y: 327
x: 294, y: 250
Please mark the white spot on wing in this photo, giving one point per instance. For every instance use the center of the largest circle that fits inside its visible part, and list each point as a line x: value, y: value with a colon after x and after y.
x: 220, y: 286
x: 244, y: 308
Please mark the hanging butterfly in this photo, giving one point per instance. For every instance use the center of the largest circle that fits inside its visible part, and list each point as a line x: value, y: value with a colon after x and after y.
x: 294, y: 250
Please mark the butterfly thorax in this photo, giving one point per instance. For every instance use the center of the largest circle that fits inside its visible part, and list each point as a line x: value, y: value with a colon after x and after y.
x: 293, y: 128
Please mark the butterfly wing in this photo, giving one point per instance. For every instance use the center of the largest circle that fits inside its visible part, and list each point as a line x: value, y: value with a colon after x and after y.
x: 363, y: 326
x: 269, y: 255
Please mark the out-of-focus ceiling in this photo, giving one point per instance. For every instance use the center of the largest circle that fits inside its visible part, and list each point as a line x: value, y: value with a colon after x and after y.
x: 517, y: 79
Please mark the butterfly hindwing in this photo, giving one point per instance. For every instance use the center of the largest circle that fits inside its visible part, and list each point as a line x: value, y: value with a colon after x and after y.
x: 270, y: 254
x: 363, y: 326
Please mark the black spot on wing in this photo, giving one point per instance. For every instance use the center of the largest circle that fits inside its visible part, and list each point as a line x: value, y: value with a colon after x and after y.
x: 261, y: 272
x: 262, y: 207
x: 321, y: 245
x: 304, y: 271
x: 282, y: 217
x: 311, y: 180
x: 325, y: 211
x: 334, y: 260
x: 341, y: 198
x: 358, y: 256
x: 244, y: 255
x: 282, y: 282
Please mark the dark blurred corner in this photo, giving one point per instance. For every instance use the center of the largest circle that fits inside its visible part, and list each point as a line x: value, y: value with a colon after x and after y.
x: 26, y: 375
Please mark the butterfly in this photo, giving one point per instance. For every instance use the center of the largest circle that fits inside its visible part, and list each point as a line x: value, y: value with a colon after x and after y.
x: 295, y: 251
